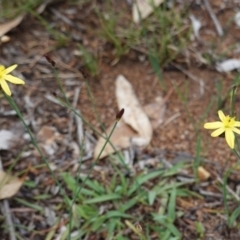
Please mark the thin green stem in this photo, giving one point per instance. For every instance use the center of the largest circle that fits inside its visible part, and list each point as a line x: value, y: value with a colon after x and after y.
x: 226, y: 175
x: 197, y: 160
x: 232, y: 100
x: 90, y: 171
x: 89, y: 125
x: 60, y: 85
x: 237, y: 153
x: 15, y: 107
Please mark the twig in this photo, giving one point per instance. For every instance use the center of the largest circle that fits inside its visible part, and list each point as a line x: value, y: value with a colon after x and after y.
x: 170, y: 119
x: 211, y: 194
x: 229, y: 189
x: 169, y: 165
x: 214, y: 18
x: 86, y: 137
x: 7, y: 213
x: 80, y: 133
x: 191, y: 76
x: 88, y: 147
x: 74, y: 105
x: 52, y: 99
x: 212, y: 204
x: 66, y: 20
x: 30, y: 106
x: 7, y: 113
x: 89, y: 140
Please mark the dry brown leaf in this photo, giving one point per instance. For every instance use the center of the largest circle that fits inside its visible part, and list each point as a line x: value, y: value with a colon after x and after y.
x: 9, y: 185
x: 156, y: 111
x: 7, y: 26
x: 143, y: 8
x: 134, y: 114
x: 134, y: 127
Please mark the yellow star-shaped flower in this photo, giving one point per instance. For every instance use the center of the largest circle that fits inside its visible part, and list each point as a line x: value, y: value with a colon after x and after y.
x: 5, y: 76
x: 227, y: 125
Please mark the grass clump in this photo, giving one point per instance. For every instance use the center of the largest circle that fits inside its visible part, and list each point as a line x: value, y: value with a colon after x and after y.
x: 163, y: 35
x: 11, y: 9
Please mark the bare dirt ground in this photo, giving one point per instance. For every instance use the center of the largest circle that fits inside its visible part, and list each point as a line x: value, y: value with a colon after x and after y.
x: 174, y: 138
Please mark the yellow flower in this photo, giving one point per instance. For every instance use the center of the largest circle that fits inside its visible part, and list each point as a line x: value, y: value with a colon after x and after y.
x: 5, y: 76
x: 227, y: 125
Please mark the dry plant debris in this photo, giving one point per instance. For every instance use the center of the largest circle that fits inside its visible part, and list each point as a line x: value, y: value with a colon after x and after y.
x: 137, y: 122
x: 142, y: 9
x: 170, y: 136
x: 9, y: 185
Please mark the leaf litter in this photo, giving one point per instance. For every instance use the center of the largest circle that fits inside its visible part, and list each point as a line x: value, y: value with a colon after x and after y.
x: 9, y: 185
x: 142, y: 9
x: 137, y: 124
x: 170, y: 144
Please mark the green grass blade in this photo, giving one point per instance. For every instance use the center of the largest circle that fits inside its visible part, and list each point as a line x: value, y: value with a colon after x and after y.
x: 129, y: 204
x: 172, y: 205
x: 31, y: 205
x: 117, y: 214
x: 175, y: 169
x: 104, y: 198
x: 151, y: 197
x: 144, y: 178
x: 234, y: 216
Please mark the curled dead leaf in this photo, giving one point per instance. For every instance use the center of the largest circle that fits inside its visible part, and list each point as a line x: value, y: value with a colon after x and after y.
x: 8, y: 26
x: 134, y: 126
x: 134, y: 114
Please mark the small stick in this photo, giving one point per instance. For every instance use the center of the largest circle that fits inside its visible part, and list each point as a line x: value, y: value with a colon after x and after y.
x: 80, y: 132
x: 53, y: 99
x: 66, y: 20
x: 191, y: 76
x: 170, y: 119
x: 74, y: 105
x: 229, y: 189
x: 211, y: 194
x: 213, y: 204
x: 7, y: 213
x: 214, y: 18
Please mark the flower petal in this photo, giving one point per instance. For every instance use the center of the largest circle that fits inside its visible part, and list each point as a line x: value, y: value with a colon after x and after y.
x: 13, y: 79
x: 229, y: 135
x: 5, y: 87
x: 221, y: 115
x: 10, y: 69
x: 213, y: 125
x: 236, y: 124
x: 235, y: 130
x: 218, y: 132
